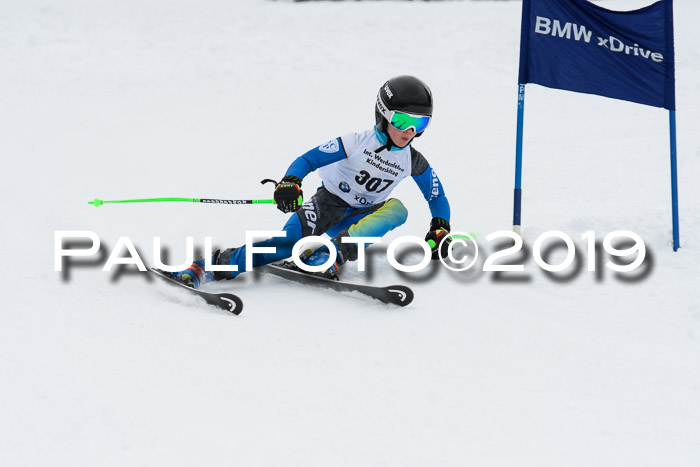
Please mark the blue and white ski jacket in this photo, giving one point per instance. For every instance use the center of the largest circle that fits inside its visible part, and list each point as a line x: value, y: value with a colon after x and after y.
x: 357, y: 169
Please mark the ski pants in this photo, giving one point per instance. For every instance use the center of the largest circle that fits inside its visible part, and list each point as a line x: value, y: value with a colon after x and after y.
x: 323, y: 213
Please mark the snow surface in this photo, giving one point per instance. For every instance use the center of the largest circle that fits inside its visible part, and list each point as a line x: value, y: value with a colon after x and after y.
x: 130, y: 99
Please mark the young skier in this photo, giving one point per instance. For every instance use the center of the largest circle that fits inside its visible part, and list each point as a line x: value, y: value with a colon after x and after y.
x: 359, y: 171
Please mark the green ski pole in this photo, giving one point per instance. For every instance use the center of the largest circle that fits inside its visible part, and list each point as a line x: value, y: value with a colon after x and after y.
x: 98, y: 202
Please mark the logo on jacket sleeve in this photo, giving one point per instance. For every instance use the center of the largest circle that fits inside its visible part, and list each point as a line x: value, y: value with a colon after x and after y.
x: 329, y: 147
x: 435, y: 192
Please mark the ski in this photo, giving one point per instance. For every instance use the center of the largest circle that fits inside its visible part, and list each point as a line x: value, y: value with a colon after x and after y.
x: 395, y: 294
x: 226, y: 301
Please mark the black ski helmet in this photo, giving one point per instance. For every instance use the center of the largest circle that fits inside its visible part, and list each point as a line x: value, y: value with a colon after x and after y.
x: 404, y: 94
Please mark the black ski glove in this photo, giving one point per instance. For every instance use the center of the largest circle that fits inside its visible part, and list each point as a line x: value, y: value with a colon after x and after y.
x: 439, y: 228
x: 288, y: 194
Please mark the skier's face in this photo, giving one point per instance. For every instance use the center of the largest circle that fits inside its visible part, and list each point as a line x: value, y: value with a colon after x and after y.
x: 401, y: 138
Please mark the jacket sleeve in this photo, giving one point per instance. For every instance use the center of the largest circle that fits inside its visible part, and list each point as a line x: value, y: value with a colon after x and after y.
x: 327, y: 153
x: 429, y: 184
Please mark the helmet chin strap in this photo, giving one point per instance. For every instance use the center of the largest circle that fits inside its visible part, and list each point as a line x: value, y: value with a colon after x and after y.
x: 389, y: 144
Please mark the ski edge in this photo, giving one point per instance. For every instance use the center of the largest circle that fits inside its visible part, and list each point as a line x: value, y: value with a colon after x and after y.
x: 399, y: 295
x: 223, y: 300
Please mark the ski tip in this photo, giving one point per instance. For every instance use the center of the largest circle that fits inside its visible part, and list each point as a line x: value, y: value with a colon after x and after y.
x: 235, y: 304
x: 402, y: 295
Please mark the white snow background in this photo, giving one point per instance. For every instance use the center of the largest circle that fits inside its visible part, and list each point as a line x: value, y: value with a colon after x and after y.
x: 137, y: 99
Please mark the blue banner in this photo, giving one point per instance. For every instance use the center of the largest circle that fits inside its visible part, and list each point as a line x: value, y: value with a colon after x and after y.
x: 581, y: 47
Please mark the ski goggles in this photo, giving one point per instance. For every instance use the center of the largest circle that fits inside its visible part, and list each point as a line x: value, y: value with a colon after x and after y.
x: 403, y: 121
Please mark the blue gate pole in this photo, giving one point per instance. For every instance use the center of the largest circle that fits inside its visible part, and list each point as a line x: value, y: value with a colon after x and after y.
x: 517, y: 192
x: 674, y: 181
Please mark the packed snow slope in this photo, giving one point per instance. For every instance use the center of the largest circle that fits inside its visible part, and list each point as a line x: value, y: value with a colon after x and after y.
x: 138, y: 99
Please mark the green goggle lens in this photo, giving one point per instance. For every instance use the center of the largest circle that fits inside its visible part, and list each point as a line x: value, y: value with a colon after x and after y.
x: 402, y: 121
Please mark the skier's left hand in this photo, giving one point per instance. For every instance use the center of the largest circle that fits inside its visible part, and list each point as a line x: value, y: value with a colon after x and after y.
x: 439, y: 229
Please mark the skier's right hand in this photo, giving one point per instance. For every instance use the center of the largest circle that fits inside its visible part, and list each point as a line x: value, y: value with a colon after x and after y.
x: 288, y: 194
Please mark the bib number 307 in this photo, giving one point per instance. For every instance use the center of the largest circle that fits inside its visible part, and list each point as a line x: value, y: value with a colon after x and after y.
x: 372, y: 184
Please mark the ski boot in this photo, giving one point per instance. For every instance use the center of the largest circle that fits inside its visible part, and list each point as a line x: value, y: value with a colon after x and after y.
x: 320, y: 257
x: 195, y: 276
